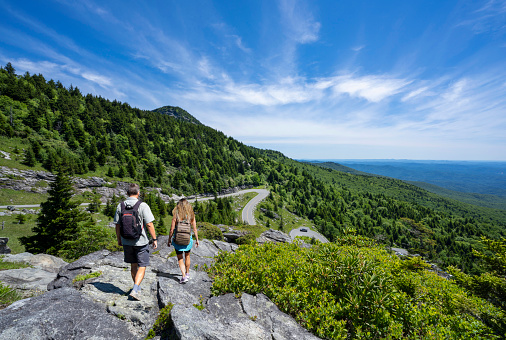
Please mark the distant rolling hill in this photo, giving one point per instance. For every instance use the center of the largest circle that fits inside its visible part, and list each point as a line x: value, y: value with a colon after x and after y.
x: 483, y: 200
x: 479, y: 199
x: 487, y: 178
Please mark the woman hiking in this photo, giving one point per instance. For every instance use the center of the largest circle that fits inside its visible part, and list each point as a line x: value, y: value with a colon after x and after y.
x: 182, y: 218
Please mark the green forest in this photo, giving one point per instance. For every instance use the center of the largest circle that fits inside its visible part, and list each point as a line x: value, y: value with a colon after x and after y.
x: 93, y: 136
x: 56, y: 127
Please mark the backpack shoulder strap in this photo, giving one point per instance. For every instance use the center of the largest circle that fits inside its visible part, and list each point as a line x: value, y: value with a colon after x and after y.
x: 136, y: 206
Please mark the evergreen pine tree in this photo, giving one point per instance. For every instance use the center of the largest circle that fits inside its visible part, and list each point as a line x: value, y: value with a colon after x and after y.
x: 29, y: 157
x: 110, y: 172
x: 160, y: 227
x: 92, y: 165
x: 102, y: 158
x: 121, y: 172
x: 58, y: 220
x: 110, y: 207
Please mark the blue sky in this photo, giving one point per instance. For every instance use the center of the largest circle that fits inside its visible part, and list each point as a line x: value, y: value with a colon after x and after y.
x: 312, y: 79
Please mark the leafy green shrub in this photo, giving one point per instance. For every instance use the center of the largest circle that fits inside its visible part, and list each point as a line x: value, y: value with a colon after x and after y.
x: 490, y: 285
x: 414, y: 264
x: 210, y: 232
x: 246, y: 239
x: 307, y: 239
x: 89, y: 238
x: 162, y: 324
x: 357, y: 292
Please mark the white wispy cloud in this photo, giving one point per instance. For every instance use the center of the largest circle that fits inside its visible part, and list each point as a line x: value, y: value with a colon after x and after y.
x: 371, y: 88
x: 96, y: 78
x: 358, y: 48
x: 299, y: 24
x: 490, y: 17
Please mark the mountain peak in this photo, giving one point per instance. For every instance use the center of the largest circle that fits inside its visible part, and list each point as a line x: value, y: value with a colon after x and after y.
x: 177, y: 113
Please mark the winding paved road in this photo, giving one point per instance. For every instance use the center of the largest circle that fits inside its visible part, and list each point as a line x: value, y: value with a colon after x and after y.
x: 309, y: 233
x: 247, y: 213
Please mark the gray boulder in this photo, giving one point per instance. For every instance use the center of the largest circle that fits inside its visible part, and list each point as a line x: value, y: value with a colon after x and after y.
x: 4, y: 249
x: 45, y: 262
x: 32, y: 280
x: 82, y: 266
x: 60, y: 314
x: 196, y: 291
x: 190, y: 323
x: 275, y: 236
x: 227, y: 317
x: 266, y: 313
x: 233, y: 235
x: 111, y: 290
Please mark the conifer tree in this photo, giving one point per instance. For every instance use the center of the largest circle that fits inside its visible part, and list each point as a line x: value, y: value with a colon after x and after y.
x: 58, y: 220
x: 92, y: 165
x: 29, y: 157
x: 110, y: 172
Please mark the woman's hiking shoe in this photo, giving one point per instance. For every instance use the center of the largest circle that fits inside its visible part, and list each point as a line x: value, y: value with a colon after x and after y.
x: 183, y: 280
x: 135, y: 295
x: 187, y: 276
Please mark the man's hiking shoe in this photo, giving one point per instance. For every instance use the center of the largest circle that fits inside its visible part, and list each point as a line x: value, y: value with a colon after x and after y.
x: 135, y: 295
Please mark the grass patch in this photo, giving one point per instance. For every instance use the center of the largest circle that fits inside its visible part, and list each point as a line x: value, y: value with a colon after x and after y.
x: 86, y: 277
x: 8, y: 295
x: 13, y: 230
x: 9, y: 145
x: 15, y: 197
x: 12, y: 265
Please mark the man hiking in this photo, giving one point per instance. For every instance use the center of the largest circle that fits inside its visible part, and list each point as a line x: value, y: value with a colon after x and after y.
x: 132, y: 218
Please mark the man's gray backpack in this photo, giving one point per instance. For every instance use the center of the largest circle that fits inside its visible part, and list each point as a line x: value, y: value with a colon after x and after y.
x: 183, y: 233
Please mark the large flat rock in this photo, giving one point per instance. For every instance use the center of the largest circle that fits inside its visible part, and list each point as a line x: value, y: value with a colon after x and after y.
x: 60, y: 314
x: 29, y: 279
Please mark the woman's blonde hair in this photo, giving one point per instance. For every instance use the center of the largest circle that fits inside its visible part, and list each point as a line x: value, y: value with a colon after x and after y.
x: 183, y: 211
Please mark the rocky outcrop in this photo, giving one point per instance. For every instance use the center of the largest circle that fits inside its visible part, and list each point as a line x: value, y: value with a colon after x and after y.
x: 275, y: 236
x: 4, y: 249
x: 37, y: 181
x: 233, y: 235
x: 228, y: 317
x: 98, y: 306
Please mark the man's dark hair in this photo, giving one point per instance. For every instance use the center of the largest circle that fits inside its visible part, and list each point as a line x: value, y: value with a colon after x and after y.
x: 133, y: 189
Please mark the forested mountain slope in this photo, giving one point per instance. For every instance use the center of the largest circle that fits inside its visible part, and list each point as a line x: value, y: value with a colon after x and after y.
x: 94, y: 136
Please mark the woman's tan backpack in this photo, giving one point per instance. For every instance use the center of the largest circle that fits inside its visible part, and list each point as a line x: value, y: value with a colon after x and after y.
x: 183, y: 233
